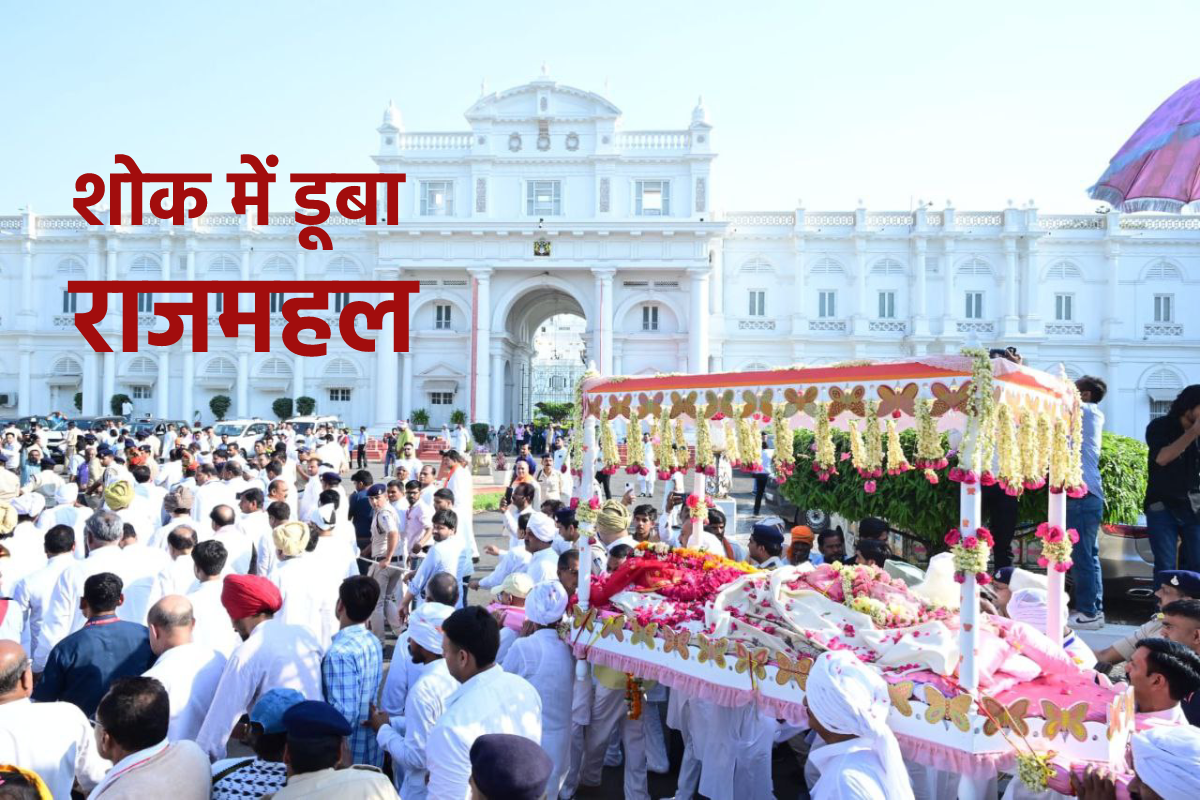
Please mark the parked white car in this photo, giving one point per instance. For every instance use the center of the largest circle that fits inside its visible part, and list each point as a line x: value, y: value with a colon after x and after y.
x: 243, y: 432
x: 304, y: 426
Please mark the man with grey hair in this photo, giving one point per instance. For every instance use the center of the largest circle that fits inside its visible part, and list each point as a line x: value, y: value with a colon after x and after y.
x: 189, y: 670
x: 102, y: 534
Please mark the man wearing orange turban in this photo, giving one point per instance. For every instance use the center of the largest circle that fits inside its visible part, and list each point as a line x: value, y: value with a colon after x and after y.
x: 800, y: 550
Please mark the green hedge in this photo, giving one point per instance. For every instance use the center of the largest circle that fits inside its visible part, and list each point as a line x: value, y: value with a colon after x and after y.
x: 910, y: 503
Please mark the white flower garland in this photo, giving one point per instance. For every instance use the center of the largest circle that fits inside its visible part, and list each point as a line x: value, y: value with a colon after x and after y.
x: 609, y: 454
x: 664, y: 452
x: 785, y: 456
x: 705, y: 462
x: 635, y: 452
x: 1010, y: 477
x: 930, y: 455
x: 681, y: 456
x: 1031, y: 462
x: 825, y: 460
x: 897, y: 463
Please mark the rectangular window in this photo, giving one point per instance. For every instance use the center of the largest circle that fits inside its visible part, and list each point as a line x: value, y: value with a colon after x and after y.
x: 758, y: 303
x: 653, y: 199
x: 649, y: 318
x: 543, y: 198
x: 441, y: 317
x: 1164, y: 308
x: 218, y: 303
x: 339, y: 395
x: 441, y: 398
x: 1159, y: 408
x: 827, y: 304
x: 437, y: 198
x: 340, y: 300
x: 1064, y: 307
x: 145, y: 301
x: 142, y: 393
x: 69, y: 299
x: 887, y: 305
x: 276, y: 302
x: 974, y: 306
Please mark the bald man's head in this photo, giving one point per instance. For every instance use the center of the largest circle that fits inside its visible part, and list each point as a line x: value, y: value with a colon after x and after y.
x: 16, y: 679
x: 171, y: 622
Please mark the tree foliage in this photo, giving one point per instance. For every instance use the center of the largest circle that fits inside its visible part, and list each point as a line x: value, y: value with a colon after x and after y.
x: 79, y: 401
x: 305, y: 406
x: 282, y: 407
x: 479, y: 432
x: 117, y: 401
x: 219, y: 405
x: 420, y: 418
x: 458, y: 417
x: 555, y: 412
x: 910, y: 503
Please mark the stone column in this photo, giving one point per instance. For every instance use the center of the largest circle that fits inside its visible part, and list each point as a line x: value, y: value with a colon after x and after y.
x: 1112, y: 272
x: 920, y: 314
x: 298, y: 379
x: 162, y: 391
x: 1031, y: 321
x: 716, y: 293
x: 618, y: 358
x: 188, y: 395
x: 242, y: 406
x: 27, y: 314
x: 481, y: 338
x: 387, y: 366
x: 497, y: 387
x: 406, y: 385
x: 949, y: 315
x: 1011, y: 323
x: 110, y: 378
x: 698, y: 324
x: 602, y: 320
x: 863, y: 309
x: 800, y: 277
x: 25, y: 381
x: 91, y: 361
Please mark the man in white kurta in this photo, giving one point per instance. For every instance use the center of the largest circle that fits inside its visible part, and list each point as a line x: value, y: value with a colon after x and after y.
x: 459, y: 481
x: 539, y: 537
x: 189, y: 671
x: 489, y: 700
x: 423, y: 704
x: 213, y: 626
x: 309, y: 596
x: 543, y: 659
x: 273, y: 655
x: 66, y: 511
x: 446, y: 555
x: 33, y: 592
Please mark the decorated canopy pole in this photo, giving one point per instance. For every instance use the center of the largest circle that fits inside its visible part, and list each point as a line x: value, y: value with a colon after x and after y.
x: 585, y: 514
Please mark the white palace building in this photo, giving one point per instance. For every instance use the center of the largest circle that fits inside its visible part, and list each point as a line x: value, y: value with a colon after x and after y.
x: 663, y: 280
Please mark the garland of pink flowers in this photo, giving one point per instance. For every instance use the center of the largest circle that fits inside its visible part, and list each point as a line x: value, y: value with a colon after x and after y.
x: 610, y: 456
x: 971, y: 554
x: 698, y: 508
x: 635, y: 451
x: 930, y: 455
x: 825, y: 454
x: 1056, y: 546
x: 705, y: 462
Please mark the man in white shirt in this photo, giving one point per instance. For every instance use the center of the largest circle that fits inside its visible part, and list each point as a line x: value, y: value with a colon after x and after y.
x: 148, y: 494
x: 213, y: 626
x: 423, y: 704
x: 253, y: 521
x: 67, y: 511
x: 308, y: 592
x: 239, y: 546
x: 210, y: 492
x: 539, y: 538
x: 442, y: 590
x: 427, y: 478
x: 408, y: 458
x: 312, y: 488
x: 646, y: 482
x: 446, y: 555
x: 187, y: 669
x: 458, y: 480
x: 178, y: 505
x: 545, y: 660
x: 489, y: 701
x: 143, y: 566
x: 332, y: 453
x: 272, y: 655
x: 179, y: 576
x: 32, y: 593
x: 26, y: 546
x: 55, y: 740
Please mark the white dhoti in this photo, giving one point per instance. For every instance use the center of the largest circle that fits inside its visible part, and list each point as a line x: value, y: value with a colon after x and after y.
x: 737, y: 753
x: 581, y: 716
x: 609, y: 711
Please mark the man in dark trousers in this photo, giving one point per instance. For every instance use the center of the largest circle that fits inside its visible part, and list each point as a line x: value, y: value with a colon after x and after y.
x: 83, y: 665
x: 1172, y: 501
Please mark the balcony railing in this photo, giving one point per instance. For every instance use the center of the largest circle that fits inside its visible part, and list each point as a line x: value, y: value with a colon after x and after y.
x: 973, y: 326
x: 1064, y: 329
x: 653, y: 140
x: 887, y: 326
x: 433, y: 141
x: 756, y: 324
x: 1163, y: 329
x: 827, y: 325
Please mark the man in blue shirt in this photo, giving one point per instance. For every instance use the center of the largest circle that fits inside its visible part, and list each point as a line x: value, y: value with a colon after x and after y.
x: 361, y: 512
x: 1085, y: 513
x: 83, y: 665
x: 352, y: 668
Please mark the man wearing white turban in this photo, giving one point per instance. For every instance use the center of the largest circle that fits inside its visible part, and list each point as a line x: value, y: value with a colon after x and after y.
x: 1166, y: 764
x: 405, y: 738
x: 543, y: 659
x: 1031, y: 606
x: 539, y: 540
x: 847, y: 704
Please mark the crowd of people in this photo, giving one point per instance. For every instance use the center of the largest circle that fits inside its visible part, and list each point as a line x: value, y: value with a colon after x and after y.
x: 163, y: 599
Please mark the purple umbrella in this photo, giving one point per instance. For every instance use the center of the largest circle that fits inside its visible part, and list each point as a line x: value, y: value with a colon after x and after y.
x: 1158, y: 169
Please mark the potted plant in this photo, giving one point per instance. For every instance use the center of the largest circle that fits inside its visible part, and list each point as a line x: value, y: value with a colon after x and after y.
x: 282, y: 407
x: 305, y: 406
x: 458, y: 417
x: 420, y: 419
x: 219, y: 405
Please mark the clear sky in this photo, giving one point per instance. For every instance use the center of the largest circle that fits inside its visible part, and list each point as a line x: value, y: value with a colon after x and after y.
x: 828, y: 102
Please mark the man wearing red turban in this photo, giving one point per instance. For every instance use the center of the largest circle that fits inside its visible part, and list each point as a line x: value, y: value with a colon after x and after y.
x: 272, y: 655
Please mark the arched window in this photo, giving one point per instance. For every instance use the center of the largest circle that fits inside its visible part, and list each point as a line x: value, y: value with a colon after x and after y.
x: 827, y: 266
x: 1163, y: 270
x: 142, y: 366
x: 224, y: 267
x: 275, y: 368
x: 66, y: 366
x: 887, y: 266
x: 277, y: 267
x: 220, y: 367
x: 341, y: 368
x: 974, y: 266
x: 71, y: 267
x: 342, y: 267
x: 1162, y: 386
x: 145, y: 268
x: 757, y: 265
x: 1064, y: 270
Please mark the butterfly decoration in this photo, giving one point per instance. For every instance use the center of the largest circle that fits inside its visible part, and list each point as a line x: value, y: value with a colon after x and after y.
x: 1065, y: 721
x: 683, y: 404
x: 718, y: 403
x: 585, y: 620
x: 592, y: 406
x: 947, y: 399
x: 900, y: 694
x: 677, y: 641
x: 615, y: 627
x: 754, y: 662
x: 792, y: 671
x: 649, y: 405
x: 643, y: 634
x: 941, y: 708
x: 798, y: 401
x: 765, y: 405
x: 840, y: 400
x: 999, y: 717
x: 749, y: 404
x: 713, y: 650
x: 618, y: 406
x: 903, y: 401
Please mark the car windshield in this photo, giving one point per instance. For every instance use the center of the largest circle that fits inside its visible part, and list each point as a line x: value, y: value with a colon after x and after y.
x: 303, y: 428
x: 229, y: 430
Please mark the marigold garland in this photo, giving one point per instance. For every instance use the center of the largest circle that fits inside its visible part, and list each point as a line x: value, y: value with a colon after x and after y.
x: 825, y: 457
x: 749, y: 445
x: 897, y: 462
x: 1073, y: 477
x: 1056, y: 546
x: 1010, y: 477
x: 681, y: 456
x: 635, y: 451
x: 664, y: 451
x: 971, y: 554
x: 858, y: 451
x: 609, y: 455
x: 575, y: 425
x: 784, y: 460
x: 930, y: 454
x: 1029, y: 442
x: 705, y: 462
x: 634, y: 691
x: 1034, y: 770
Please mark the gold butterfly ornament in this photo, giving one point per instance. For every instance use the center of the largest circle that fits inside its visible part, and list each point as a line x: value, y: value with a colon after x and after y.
x: 677, y: 641
x: 1000, y: 716
x: 615, y: 627
x: 792, y: 671
x: 1068, y: 721
x: 754, y: 662
x: 713, y: 650
x: 643, y: 634
x: 900, y: 694
x: 955, y: 710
